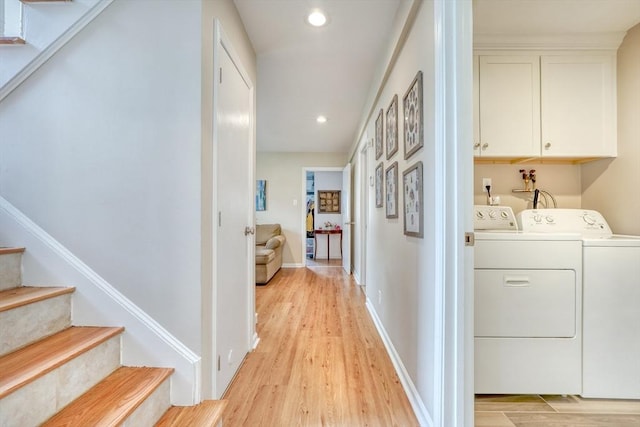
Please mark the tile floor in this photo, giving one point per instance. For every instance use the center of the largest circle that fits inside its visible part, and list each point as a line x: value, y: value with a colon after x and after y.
x: 554, y: 411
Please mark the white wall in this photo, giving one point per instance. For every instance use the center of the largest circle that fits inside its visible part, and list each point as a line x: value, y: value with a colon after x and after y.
x: 399, y: 285
x: 101, y: 148
x: 327, y: 180
x: 283, y: 172
x: 611, y: 186
x: 562, y: 181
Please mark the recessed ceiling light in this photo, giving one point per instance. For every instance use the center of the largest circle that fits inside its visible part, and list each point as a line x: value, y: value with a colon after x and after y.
x: 317, y: 18
x: 321, y: 119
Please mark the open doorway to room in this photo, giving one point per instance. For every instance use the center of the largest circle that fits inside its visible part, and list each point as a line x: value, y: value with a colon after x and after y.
x: 325, y: 203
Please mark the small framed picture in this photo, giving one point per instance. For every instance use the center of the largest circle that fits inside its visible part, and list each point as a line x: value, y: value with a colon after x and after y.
x: 391, y: 190
x: 261, y: 195
x: 392, y: 127
x: 413, y: 117
x: 413, y: 201
x: 328, y: 201
x: 379, y: 197
x: 379, y: 135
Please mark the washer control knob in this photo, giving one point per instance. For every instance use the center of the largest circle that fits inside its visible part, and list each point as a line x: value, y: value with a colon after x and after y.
x: 492, y: 214
x: 504, y: 215
x: 537, y: 218
x: 480, y: 214
x: 589, y: 219
x: 550, y: 219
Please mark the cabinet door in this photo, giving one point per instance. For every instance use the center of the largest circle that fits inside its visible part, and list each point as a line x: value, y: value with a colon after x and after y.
x: 578, y: 106
x: 509, y: 106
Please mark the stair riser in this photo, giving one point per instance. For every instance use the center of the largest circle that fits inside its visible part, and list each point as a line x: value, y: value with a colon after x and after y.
x: 10, y: 271
x: 153, y: 407
x: 24, y: 325
x: 37, y: 401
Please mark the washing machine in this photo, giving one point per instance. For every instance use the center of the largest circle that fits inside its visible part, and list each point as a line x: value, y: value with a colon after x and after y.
x: 611, y: 301
x: 528, y: 307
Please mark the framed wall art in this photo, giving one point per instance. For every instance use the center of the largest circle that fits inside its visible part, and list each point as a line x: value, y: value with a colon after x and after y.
x: 379, y: 135
x: 261, y: 195
x: 329, y: 201
x: 413, y: 201
x: 413, y: 117
x: 392, y: 127
x: 378, y: 180
x: 391, y: 190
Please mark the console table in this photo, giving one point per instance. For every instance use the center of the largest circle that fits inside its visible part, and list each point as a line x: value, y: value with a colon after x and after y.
x: 328, y: 232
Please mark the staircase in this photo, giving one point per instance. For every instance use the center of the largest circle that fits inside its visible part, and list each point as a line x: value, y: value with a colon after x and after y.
x: 55, y: 374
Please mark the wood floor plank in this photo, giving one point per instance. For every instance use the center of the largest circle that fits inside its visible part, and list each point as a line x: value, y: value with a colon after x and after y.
x: 112, y: 400
x: 206, y: 414
x: 320, y: 360
x: 23, y: 295
x: 7, y: 251
x: 35, y: 360
x: 552, y: 419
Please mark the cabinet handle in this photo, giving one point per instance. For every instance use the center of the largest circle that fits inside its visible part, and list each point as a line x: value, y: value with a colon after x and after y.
x: 484, y: 146
x: 476, y: 145
x: 547, y: 145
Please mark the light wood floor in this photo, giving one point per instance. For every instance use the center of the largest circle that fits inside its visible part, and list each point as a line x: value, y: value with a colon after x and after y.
x: 320, y: 361
x: 554, y: 411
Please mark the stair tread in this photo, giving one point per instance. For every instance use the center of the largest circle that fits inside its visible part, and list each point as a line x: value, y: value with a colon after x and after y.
x: 112, y: 400
x: 207, y: 413
x: 6, y: 251
x: 23, y: 295
x: 35, y: 360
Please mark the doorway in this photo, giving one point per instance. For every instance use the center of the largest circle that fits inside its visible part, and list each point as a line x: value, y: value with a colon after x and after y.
x: 323, y: 188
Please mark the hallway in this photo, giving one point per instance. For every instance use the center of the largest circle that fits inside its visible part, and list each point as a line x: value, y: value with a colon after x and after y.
x: 320, y: 360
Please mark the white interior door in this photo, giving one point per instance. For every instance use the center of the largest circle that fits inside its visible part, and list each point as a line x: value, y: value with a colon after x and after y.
x: 234, y: 202
x: 347, y: 223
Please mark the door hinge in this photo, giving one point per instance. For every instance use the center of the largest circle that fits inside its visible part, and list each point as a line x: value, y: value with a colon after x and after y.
x: 469, y: 239
x: 219, y: 218
x: 218, y: 362
x: 220, y: 75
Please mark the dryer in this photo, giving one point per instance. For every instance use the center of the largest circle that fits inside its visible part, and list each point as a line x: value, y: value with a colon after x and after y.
x: 528, y: 308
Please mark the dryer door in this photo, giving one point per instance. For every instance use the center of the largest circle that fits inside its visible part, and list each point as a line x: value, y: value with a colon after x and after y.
x: 525, y: 303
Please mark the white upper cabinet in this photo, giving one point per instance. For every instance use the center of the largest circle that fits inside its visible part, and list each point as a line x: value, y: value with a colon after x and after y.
x: 509, y: 106
x: 578, y: 106
x: 559, y: 106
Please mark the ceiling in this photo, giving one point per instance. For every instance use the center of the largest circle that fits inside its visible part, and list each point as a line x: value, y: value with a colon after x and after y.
x: 304, y: 72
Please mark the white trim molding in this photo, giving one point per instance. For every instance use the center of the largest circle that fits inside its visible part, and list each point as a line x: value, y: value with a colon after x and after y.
x: 96, y: 302
x: 292, y: 265
x: 587, y: 41
x: 419, y: 409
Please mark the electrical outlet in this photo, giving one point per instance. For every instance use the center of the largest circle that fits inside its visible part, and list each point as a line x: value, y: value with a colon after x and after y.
x: 485, y: 182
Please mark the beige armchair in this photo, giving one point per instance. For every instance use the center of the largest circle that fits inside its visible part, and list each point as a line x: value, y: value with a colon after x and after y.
x: 269, y: 244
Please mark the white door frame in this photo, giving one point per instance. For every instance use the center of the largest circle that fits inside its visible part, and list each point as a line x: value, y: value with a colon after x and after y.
x: 303, y: 204
x: 453, y: 364
x: 222, y: 41
x: 363, y: 219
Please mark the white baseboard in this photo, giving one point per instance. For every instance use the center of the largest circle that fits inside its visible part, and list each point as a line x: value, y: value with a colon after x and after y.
x: 292, y: 265
x: 356, y: 277
x: 96, y: 302
x: 421, y: 412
